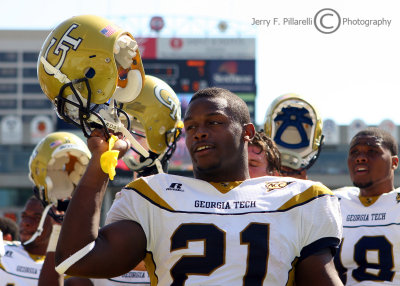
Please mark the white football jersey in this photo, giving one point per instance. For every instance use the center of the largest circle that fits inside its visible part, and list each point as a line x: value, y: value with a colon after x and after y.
x: 18, y: 267
x: 237, y: 233
x: 2, y: 250
x: 370, y: 251
x: 134, y: 277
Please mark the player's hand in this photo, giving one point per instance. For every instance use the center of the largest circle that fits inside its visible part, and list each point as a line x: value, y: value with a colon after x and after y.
x: 98, y: 143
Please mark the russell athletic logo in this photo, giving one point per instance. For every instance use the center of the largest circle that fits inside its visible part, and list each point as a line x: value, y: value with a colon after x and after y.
x: 175, y: 187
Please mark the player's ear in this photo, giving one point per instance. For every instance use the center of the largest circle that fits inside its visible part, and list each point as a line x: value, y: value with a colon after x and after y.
x: 395, y: 162
x: 249, y: 131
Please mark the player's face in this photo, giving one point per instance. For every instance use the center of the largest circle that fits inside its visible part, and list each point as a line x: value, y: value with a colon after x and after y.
x: 213, y: 138
x: 257, y: 162
x: 30, y: 219
x: 370, y: 164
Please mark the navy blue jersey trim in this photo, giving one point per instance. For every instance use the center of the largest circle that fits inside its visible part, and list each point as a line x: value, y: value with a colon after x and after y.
x: 377, y: 225
x: 331, y: 243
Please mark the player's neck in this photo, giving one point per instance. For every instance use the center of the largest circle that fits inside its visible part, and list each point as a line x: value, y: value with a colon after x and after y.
x: 227, y: 176
x: 36, y: 249
x: 377, y: 189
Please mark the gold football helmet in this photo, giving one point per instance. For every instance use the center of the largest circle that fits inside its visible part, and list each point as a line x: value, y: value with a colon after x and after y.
x: 85, y: 65
x: 156, y: 116
x: 56, y: 165
x: 296, y: 127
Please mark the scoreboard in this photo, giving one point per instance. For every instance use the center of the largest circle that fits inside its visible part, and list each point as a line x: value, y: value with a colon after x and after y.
x: 188, y: 76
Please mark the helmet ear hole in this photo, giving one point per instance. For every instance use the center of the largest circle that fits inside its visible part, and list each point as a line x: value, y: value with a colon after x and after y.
x: 90, y: 73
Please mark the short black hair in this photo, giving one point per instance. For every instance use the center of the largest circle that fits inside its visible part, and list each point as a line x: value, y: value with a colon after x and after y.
x: 238, y: 107
x: 387, y: 139
x: 8, y: 226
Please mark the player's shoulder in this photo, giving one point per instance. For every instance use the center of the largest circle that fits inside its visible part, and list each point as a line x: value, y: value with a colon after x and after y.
x: 163, y: 180
x: 13, y: 244
x: 347, y: 192
x: 299, y: 185
x: 292, y: 187
x: 13, y: 248
x: 394, y: 194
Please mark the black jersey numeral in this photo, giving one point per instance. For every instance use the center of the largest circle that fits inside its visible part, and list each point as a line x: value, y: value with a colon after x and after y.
x: 255, y: 236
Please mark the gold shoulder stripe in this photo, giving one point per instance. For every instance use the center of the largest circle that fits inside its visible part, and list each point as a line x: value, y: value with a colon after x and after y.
x: 312, y: 192
x: 144, y: 189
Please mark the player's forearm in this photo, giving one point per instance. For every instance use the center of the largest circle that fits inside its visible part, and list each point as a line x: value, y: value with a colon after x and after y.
x: 48, y: 276
x: 81, y: 222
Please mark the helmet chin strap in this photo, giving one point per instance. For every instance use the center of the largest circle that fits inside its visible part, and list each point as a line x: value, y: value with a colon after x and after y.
x: 40, y: 226
x: 53, y: 70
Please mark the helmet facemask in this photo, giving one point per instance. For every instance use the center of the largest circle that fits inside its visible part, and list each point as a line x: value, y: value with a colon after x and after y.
x: 154, y: 163
x: 79, y: 111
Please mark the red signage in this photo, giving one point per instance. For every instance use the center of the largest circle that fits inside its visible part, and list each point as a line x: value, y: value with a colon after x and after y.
x: 147, y: 47
x: 157, y: 23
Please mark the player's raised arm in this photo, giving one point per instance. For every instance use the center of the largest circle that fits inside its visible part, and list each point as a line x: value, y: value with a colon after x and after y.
x: 82, y: 249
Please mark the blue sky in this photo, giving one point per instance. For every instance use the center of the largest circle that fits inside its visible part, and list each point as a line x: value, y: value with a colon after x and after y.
x: 351, y: 73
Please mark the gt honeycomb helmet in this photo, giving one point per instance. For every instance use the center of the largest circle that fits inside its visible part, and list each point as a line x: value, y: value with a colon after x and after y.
x: 84, y: 66
x: 56, y: 165
x: 296, y: 127
x: 156, y: 116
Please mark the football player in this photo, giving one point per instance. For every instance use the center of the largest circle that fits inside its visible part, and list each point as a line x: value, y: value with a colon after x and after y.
x: 22, y: 262
x: 370, y: 252
x: 264, y: 156
x: 296, y: 127
x: 55, y: 166
x: 215, y: 229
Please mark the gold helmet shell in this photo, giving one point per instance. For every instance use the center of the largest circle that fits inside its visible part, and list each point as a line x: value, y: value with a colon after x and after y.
x: 57, y: 164
x: 156, y: 113
x: 82, y: 47
x: 85, y: 64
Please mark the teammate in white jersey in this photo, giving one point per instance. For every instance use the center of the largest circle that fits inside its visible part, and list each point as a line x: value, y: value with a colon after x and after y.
x: 22, y: 262
x: 8, y: 232
x: 370, y: 251
x: 220, y: 228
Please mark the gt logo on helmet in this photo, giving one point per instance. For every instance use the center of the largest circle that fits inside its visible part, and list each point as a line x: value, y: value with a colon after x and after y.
x: 170, y: 103
x: 66, y: 38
